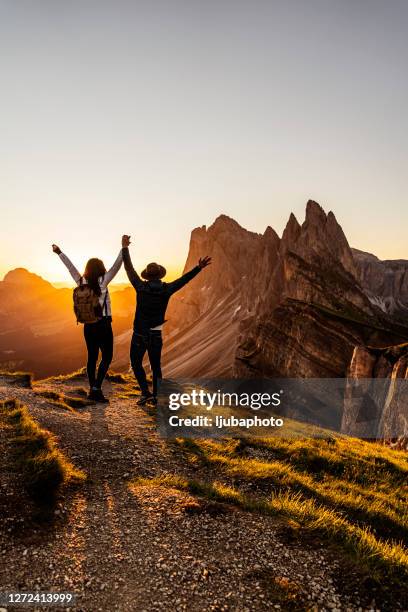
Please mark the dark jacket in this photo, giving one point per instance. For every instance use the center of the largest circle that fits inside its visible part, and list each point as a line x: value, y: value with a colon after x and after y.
x: 152, y: 296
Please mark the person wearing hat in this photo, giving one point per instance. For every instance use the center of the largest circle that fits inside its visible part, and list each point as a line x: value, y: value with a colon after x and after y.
x: 152, y: 299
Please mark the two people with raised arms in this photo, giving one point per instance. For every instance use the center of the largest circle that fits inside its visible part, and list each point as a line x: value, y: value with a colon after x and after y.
x: 92, y: 305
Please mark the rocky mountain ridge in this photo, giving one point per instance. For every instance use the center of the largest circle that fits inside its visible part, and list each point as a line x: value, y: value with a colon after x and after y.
x: 291, y: 306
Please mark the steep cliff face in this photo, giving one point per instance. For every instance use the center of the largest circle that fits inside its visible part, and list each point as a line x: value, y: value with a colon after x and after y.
x: 315, y: 312
x: 234, y: 252
x: 271, y: 306
x: 386, y: 282
x: 203, y: 318
x: 376, y: 399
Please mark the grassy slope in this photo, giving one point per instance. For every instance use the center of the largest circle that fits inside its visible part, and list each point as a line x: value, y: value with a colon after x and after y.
x: 351, y: 492
x: 43, y: 467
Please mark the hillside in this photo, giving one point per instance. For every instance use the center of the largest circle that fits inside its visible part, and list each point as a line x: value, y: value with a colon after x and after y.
x: 190, y: 525
x: 38, y: 331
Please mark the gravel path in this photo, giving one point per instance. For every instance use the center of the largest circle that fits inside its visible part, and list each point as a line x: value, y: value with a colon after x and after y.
x: 149, y: 548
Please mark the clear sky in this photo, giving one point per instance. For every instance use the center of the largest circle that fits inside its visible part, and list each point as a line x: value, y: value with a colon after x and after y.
x: 153, y: 117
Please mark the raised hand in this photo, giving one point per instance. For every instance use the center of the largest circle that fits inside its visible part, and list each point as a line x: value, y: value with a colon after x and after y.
x: 204, y: 261
x: 125, y: 240
x: 56, y: 249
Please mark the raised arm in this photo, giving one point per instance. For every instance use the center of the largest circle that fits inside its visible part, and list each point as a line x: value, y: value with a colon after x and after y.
x: 68, y: 263
x: 188, y: 276
x: 133, y: 276
x: 110, y: 274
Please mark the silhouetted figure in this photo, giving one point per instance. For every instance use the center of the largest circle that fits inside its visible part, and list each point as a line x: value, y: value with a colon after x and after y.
x: 98, y: 334
x: 152, y: 299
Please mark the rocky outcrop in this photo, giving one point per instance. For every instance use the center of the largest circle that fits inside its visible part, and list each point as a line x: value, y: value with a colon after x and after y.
x: 270, y: 306
x: 385, y: 282
x: 316, y: 311
x: 203, y: 318
x: 234, y: 251
x: 376, y: 397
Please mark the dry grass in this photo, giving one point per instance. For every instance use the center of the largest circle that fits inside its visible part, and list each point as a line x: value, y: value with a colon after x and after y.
x: 44, y: 468
x: 351, y: 492
x: 67, y: 402
x: 77, y: 375
x: 118, y: 377
x: 19, y: 379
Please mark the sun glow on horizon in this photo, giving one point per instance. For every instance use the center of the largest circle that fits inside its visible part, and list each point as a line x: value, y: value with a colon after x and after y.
x: 60, y: 278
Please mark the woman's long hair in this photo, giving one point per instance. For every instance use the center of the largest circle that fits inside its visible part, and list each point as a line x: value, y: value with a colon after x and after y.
x: 93, y: 271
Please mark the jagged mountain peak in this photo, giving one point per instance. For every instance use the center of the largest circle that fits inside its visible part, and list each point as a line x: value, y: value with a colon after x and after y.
x: 315, y: 213
x: 320, y: 235
x: 292, y: 221
x: 270, y: 234
x: 224, y: 223
x: 225, y: 219
x: 291, y: 231
x: 317, y: 218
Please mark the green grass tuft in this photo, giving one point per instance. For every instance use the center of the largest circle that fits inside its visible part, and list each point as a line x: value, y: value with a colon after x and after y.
x: 49, y: 394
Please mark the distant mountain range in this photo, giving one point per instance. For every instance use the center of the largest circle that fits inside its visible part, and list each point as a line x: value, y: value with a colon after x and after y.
x: 38, y: 331
x: 267, y: 306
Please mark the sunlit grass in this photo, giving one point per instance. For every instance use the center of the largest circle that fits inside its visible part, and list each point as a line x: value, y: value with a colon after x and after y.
x: 76, y: 375
x: 387, y: 519
x: 44, y: 468
x: 118, y: 377
x: 351, y: 492
x: 348, y: 457
x: 386, y: 558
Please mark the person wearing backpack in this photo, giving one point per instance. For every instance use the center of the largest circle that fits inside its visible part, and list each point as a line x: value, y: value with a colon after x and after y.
x: 152, y: 298
x: 92, y: 307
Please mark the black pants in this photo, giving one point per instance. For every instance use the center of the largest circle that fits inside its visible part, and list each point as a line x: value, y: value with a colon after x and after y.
x: 98, y: 337
x: 152, y: 343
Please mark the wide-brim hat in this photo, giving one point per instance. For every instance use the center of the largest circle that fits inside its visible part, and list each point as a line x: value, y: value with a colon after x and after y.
x: 153, y: 271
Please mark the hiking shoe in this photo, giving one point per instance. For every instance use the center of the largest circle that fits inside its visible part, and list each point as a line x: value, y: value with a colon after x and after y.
x: 97, y: 396
x: 143, y: 399
x: 153, y: 400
